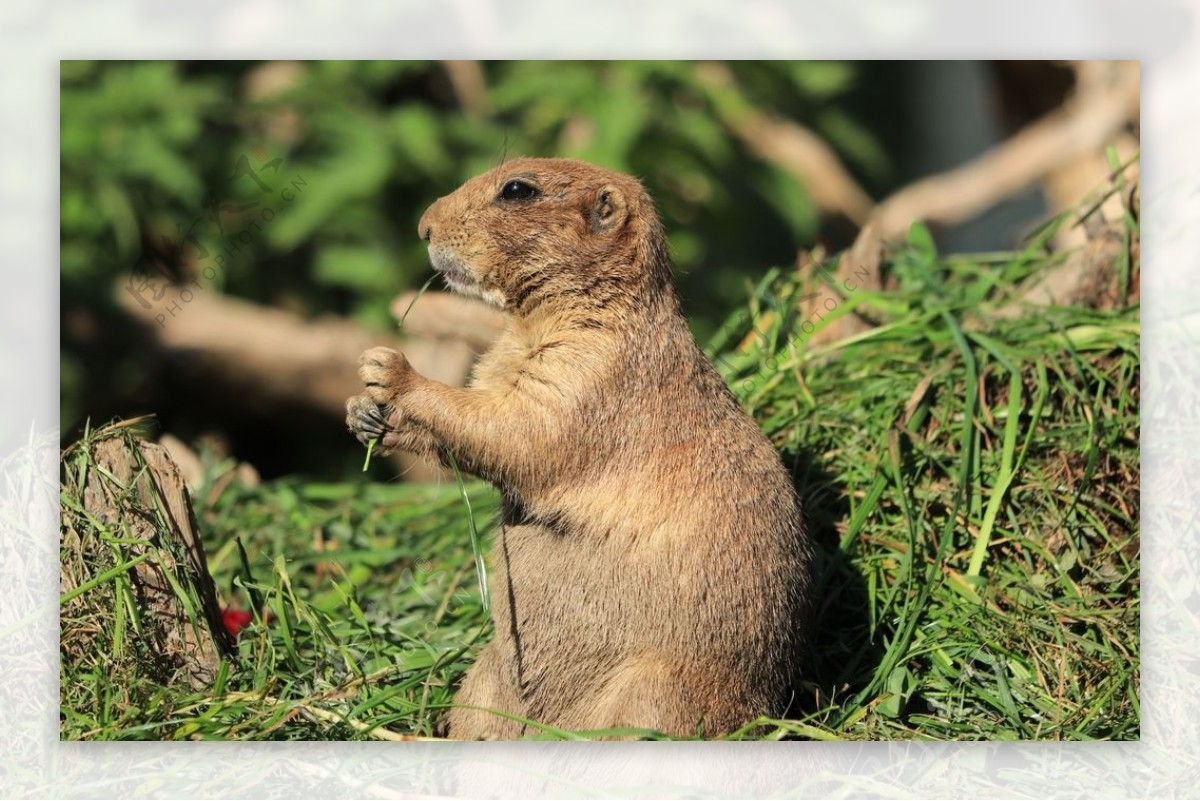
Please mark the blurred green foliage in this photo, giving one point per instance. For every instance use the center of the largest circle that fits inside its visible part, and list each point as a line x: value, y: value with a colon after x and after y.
x: 300, y: 184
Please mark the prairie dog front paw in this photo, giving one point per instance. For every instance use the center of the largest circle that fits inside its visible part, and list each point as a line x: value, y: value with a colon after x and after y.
x: 386, y: 374
x: 370, y: 422
x: 366, y: 420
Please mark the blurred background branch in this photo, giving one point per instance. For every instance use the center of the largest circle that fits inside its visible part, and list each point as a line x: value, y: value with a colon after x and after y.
x: 787, y: 145
x: 1101, y: 107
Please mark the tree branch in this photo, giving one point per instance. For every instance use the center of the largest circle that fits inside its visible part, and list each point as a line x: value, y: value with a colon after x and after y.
x: 1083, y: 125
x: 786, y: 145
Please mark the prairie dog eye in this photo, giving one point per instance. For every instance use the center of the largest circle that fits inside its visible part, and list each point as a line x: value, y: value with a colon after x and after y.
x: 518, y: 190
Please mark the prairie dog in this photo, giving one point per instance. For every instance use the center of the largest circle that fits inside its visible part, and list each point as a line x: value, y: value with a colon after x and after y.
x: 652, y: 569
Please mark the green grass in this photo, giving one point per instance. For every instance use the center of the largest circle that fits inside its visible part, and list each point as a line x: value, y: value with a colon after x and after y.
x: 972, y: 481
x: 975, y: 485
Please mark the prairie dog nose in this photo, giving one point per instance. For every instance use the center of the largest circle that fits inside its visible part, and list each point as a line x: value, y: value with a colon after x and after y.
x: 425, y: 226
x: 429, y: 220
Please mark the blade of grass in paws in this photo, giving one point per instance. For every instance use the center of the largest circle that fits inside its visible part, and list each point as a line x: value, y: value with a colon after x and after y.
x: 370, y: 447
x: 480, y: 567
x: 403, y: 317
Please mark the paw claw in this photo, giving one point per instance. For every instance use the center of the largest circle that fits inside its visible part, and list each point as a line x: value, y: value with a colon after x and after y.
x: 365, y: 419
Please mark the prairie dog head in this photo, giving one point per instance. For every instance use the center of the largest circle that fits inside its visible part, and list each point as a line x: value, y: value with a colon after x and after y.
x: 536, y: 231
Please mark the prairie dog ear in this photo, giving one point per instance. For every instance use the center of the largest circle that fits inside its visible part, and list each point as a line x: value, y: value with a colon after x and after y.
x: 609, y: 210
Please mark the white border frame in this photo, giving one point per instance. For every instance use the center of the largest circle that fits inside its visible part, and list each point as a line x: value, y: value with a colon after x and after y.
x: 33, y: 763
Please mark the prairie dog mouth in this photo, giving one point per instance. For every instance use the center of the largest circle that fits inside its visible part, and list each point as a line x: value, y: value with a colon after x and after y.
x: 455, y: 275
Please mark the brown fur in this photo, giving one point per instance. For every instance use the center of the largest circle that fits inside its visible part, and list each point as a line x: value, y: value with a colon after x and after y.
x: 652, y: 569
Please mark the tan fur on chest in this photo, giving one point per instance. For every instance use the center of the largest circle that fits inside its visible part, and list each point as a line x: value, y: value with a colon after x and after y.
x: 652, y: 570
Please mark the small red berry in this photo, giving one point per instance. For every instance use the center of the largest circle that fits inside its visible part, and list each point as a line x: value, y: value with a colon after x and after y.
x: 236, y: 620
